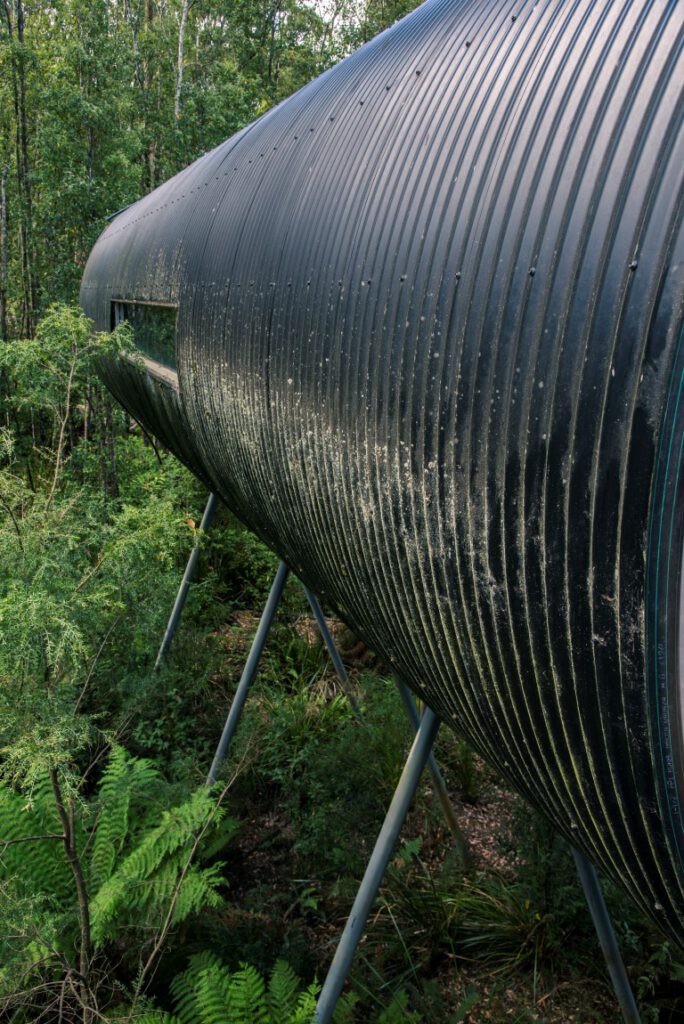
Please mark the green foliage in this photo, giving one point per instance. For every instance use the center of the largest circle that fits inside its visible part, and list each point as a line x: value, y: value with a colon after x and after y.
x: 662, y: 968
x: 143, y: 865
x: 497, y: 924
x: 157, y: 876
x: 36, y: 886
x: 80, y: 595
x: 336, y: 775
x: 53, y: 368
x: 124, y: 779
x: 207, y: 993
x: 32, y: 866
x: 93, y: 113
x: 243, y: 564
x: 459, y: 758
x: 87, y: 577
x: 397, y: 1012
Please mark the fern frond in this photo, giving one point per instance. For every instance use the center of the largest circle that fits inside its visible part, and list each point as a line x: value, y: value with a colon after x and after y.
x: 344, y: 1011
x: 38, y: 866
x: 397, y: 1012
x: 213, y: 996
x: 199, y: 889
x: 178, y: 827
x: 207, y: 993
x: 247, y: 998
x: 184, y: 986
x: 283, y: 989
x: 305, y: 1010
x: 147, y: 878
x: 123, y: 777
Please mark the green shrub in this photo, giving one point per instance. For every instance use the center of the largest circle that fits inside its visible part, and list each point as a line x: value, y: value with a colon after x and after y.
x: 208, y: 993
x: 336, y: 776
x: 142, y: 869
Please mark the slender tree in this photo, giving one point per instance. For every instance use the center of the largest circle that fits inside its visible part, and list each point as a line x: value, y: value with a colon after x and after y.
x: 3, y: 254
x: 181, y: 56
x: 15, y: 24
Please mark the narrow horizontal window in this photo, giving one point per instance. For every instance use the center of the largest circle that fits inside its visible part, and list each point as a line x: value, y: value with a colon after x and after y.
x: 154, y: 328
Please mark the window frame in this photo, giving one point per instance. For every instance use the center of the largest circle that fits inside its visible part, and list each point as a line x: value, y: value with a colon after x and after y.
x: 161, y: 371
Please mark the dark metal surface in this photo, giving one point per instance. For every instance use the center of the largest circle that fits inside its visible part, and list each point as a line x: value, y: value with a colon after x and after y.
x: 429, y: 324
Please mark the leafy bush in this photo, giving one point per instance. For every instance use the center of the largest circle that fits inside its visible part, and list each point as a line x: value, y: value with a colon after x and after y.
x: 336, y: 776
x: 141, y: 868
x: 208, y: 993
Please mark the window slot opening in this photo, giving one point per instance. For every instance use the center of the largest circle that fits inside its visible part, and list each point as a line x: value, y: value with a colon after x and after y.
x: 154, y: 328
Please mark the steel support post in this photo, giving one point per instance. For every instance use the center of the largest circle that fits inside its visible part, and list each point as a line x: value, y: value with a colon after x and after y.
x: 606, y: 936
x: 437, y: 778
x: 249, y: 671
x: 377, y: 865
x: 188, y: 577
x: 335, y: 656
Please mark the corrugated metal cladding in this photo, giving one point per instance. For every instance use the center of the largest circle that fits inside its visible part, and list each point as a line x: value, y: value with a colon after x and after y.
x: 429, y: 347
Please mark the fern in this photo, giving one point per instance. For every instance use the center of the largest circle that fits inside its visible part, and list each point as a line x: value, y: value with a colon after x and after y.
x: 184, y: 987
x: 306, y: 1005
x: 397, y: 1012
x: 213, y: 996
x: 155, y: 871
x: 247, y: 997
x: 344, y: 1011
x: 36, y: 887
x: 38, y: 866
x: 283, y: 989
x: 133, y: 880
x: 124, y: 777
x: 154, y: 1017
x: 208, y: 993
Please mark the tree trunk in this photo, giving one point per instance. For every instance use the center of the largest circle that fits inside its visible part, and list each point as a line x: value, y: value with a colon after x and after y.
x: 3, y: 255
x: 23, y: 170
x: 66, y: 817
x: 111, y: 448
x: 24, y: 206
x: 273, y: 61
x: 181, y: 54
x: 147, y: 89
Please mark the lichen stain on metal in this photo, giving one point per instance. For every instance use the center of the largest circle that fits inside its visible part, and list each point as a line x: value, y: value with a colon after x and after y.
x: 363, y: 332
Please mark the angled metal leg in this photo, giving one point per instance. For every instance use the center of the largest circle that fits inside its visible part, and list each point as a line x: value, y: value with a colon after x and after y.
x: 606, y: 936
x: 437, y: 778
x: 188, y: 577
x: 335, y: 657
x: 249, y: 671
x: 377, y: 865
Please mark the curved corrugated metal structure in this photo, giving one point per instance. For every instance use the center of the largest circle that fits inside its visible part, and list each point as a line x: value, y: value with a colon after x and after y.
x: 429, y: 347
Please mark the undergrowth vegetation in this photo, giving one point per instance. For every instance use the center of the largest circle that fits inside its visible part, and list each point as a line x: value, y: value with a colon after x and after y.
x: 130, y: 891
